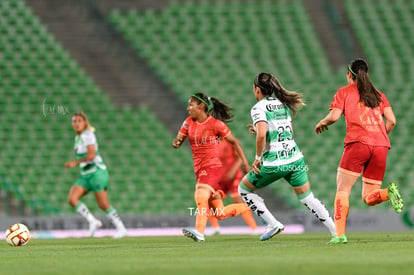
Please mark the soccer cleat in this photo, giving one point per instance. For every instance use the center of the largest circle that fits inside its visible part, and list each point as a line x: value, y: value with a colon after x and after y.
x: 271, y: 231
x: 120, y: 233
x: 338, y: 240
x: 93, y: 226
x: 193, y: 234
x: 395, y: 197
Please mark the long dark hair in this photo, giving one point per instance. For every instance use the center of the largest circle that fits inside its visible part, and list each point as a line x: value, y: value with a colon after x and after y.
x: 214, y: 107
x: 269, y: 85
x: 367, y: 91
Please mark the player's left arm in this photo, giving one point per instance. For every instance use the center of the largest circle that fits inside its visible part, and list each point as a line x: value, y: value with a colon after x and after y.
x: 239, y: 150
x: 234, y: 168
x: 90, y: 156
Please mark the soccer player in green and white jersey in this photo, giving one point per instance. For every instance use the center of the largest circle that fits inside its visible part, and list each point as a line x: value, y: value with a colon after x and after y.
x: 93, y: 177
x: 277, y: 154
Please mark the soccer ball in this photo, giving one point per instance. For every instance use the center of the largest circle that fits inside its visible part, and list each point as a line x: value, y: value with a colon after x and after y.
x: 17, y: 235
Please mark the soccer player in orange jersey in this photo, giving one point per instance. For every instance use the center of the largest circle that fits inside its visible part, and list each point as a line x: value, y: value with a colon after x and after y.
x: 366, y: 144
x: 232, y: 175
x: 203, y: 128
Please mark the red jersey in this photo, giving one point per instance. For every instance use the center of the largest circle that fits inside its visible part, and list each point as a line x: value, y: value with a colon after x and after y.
x: 204, y: 140
x: 363, y: 124
x: 228, y: 156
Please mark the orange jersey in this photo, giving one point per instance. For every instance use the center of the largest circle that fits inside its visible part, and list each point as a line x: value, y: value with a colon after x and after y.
x: 204, y: 140
x: 228, y: 156
x: 228, y: 159
x: 363, y: 124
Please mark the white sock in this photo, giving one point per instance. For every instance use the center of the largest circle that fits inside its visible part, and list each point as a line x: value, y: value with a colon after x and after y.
x: 82, y: 209
x: 114, y: 218
x: 256, y: 204
x: 320, y: 212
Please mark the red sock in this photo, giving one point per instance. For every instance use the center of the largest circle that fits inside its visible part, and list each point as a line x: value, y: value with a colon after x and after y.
x: 248, y: 218
x: 341, y: 212
x: 376, y: 197
x: 231, y: 210
x: 201, y: 197
x: 213, y: 221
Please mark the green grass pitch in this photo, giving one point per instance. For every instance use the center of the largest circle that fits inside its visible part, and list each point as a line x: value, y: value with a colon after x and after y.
x: 366, y: 253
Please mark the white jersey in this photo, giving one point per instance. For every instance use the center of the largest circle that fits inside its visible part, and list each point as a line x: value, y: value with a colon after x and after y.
x: 82, y: 141
x: 280, y: 147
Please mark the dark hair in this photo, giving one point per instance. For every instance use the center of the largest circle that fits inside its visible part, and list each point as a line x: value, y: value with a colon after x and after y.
x: 269, y: 85
x: 215, y: 107
x: 367, y: 92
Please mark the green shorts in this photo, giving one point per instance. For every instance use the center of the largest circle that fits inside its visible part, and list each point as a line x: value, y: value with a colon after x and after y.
x: 95, y: 182
x: 295, y: 174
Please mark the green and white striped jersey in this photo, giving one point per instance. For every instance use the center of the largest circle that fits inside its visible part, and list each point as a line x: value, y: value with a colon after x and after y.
x: 81, y: 143
x: 280, y: 147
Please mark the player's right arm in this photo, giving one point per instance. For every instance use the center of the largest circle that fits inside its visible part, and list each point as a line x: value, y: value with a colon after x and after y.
x: 182, y: 134
x: 239, y: 150
x: 333, y: 115
x: 179, y: 139
x: 90, y: 156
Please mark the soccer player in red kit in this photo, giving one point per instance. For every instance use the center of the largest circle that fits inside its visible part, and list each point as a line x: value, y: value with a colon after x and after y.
x: 366, y: 144
x: 229, y: 182
x: 204, y: 127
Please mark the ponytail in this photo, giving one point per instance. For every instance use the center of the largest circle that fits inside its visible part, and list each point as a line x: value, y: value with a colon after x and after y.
x: 214, y: 107
x: 367, y: 91
x: 269, y: 85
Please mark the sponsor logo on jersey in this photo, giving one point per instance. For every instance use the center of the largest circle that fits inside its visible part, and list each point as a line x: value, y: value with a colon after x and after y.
x: 272, y: 107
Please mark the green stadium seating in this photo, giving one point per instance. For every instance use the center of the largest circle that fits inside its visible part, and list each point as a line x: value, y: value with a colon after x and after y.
x: 40, y: 84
